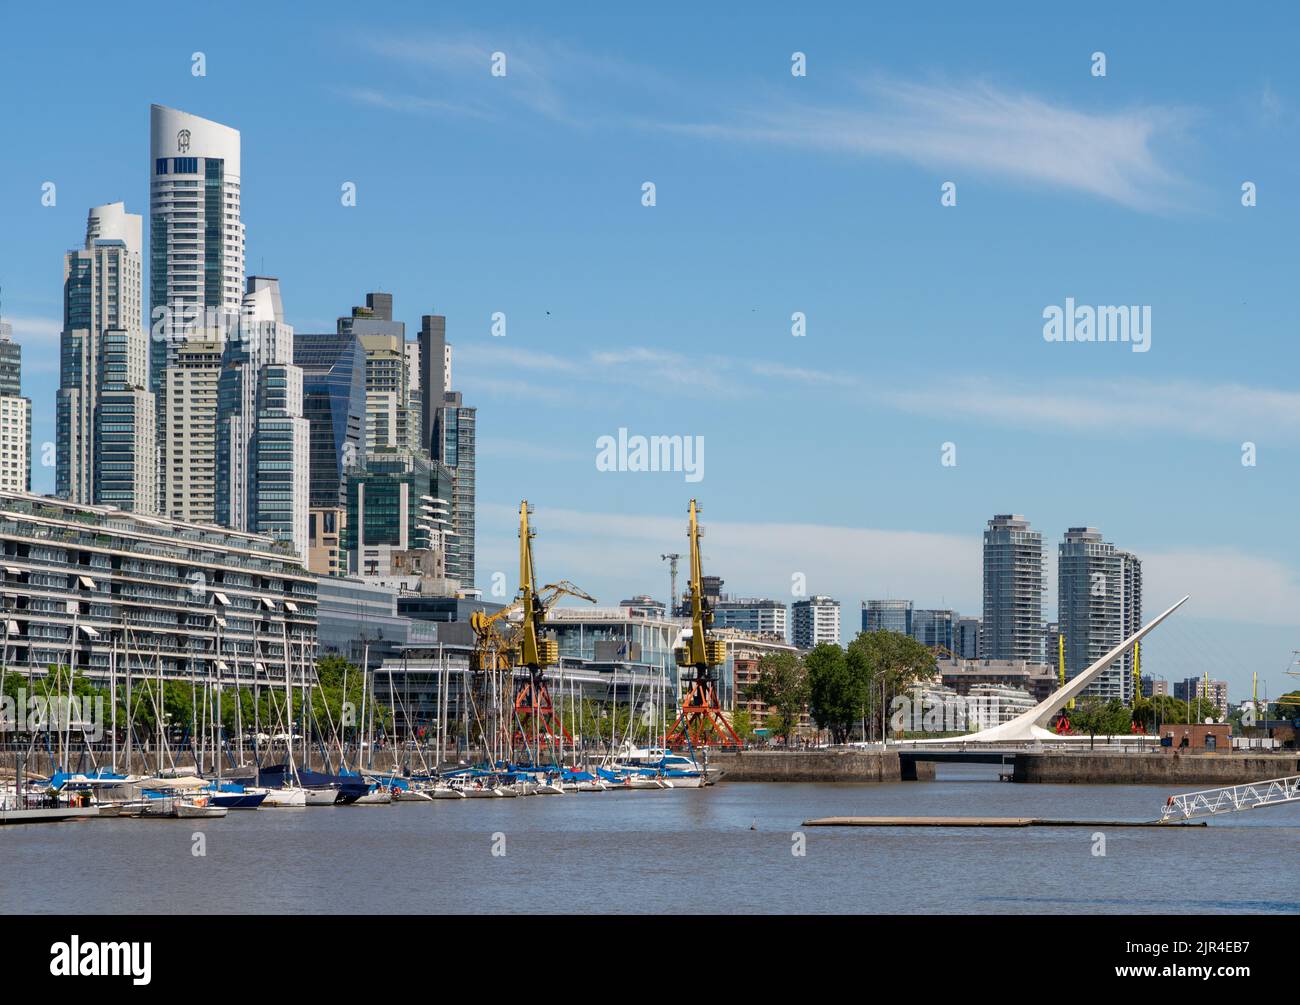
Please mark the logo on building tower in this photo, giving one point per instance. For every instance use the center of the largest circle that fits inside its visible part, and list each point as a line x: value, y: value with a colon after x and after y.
x: 183, y: 141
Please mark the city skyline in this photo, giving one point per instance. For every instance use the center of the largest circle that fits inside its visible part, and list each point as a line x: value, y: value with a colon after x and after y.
x: 702, y: 346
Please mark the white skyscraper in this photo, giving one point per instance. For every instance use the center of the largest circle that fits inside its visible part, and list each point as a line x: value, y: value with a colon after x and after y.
x: 262, y: 459
x: 105, y: 451
x: 814, y: 621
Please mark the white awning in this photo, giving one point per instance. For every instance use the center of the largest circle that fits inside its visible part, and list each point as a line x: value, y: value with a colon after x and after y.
x: 222, y: 599
x: 90, y: 632
x: 269, y: 606
x: 13, y: 570
x: 260, y: 666
x: 290, y: 605
x: 221, y: 665
x: 13, y: 628
x: 220, y: 621
x: 88, y: 583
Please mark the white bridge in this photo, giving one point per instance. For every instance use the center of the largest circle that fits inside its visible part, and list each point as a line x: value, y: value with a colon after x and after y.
x: 1231, y: 798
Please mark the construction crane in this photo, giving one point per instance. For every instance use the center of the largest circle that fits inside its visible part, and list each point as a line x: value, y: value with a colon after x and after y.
x: 535, y: 719
x: 701, y: 721
x: 671, y: 558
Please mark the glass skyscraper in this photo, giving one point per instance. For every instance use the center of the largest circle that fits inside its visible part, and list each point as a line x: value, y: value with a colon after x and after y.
x: 1014, y: 585
x: 334, y: 403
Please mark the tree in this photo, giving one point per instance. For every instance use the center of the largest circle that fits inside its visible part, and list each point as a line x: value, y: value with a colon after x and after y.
x: 882, y: 664
x: 743, y: 725
x: 835, y: 690
x: 783, y: 685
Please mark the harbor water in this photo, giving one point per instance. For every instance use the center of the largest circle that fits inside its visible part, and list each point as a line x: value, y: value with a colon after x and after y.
x: 729, y: 848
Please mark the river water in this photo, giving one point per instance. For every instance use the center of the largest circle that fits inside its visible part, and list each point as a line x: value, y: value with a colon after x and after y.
x: 724, y: 849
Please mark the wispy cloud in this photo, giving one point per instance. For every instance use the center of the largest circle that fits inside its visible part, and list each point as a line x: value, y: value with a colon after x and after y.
x: 1223, y: 411
x: 975, y: 126
x: 959, y: 128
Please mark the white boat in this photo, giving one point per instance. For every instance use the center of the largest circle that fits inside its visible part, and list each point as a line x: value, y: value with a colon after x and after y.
x: 505, y: 791
x: 198, y: 808
x: 550, y: 789
x: 595, y: 785
x: 412, y: 796
x: 375, y: 797
x: 289, y: 796
x: 442, y: 790
x: 326, y: 796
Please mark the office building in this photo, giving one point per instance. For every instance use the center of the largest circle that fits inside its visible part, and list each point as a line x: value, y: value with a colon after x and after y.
x: 887, y: 616
x: 1192, y: 689
x: 814, y: 621
x: 391, y: 422
x: 967, y: 638
x: 454, y: 446
x: 396, y: 505
x: 753, y: 616
x: 196, y: 235
x: 334, y: 404
x: 1099, y: 603
x: 1014, y: 585
x: 934, y: 628
x: 105, y: 431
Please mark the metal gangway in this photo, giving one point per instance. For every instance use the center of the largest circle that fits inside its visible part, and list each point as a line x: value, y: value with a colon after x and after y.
x: 1231, y: 798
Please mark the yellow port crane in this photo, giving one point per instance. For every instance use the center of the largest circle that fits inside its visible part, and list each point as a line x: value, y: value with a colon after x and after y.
x: 702, y: 721
x: 535, y: 720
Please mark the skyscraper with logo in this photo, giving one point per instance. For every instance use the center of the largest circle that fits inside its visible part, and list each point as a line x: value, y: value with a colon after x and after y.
x: 196, y: 285
x: 1014, y: 585
x: 105, y: 447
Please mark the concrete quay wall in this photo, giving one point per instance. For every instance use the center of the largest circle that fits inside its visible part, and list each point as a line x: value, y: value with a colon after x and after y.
x: 816, y: 766
x: 1155, y: 768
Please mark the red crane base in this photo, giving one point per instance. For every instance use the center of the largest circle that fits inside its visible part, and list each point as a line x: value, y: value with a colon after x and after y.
x: 535, y: 714
x: 702, y: 721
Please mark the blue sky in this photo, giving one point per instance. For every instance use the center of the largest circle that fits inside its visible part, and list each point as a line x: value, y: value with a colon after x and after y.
x: 775, y: 194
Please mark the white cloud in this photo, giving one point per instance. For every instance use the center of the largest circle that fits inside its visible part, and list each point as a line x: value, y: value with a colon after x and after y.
x: 1226, y: 411
x: 977, y: 127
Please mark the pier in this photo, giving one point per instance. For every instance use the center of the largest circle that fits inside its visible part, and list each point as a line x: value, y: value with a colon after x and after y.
x: 983, y: 822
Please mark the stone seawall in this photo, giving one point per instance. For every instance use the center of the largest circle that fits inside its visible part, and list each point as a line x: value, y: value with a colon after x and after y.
x: 815, y: 766
x: 1163, y: 768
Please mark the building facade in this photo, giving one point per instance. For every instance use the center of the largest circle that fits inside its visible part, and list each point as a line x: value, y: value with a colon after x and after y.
x: 753, y: 616
x: 398, y: 503
x: 262, y: 439
x: 196, y: 233
x: 105, y: 421
x: 967, y: 638
x: 887, y: 616
x: 1014, y: 586
x: 106, y: 592
x: 454, y: 442
x: 814, y: 621
x: 1099, y: 604
x: 334, y: 404
x: 934, y: 628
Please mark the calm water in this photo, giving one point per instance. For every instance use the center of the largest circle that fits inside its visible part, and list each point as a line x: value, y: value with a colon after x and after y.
x: 667, y: 852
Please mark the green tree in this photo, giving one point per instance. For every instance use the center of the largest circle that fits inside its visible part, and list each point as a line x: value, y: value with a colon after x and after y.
x: 884, y: 664
x: 743, y: 724
x: 783, y: 685
x: 835, y: 690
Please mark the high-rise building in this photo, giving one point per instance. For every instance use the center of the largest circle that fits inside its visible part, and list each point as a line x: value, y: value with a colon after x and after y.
x: 1099, y: 597
x: 887, y: 615
x: 1014, y: 585
x: 814, y: 621
x: 105, y: 434
x: 1192, y: 689
x: 934, y: 628
x: 397, y: 505
x: 196, y: 236
x: 15, y: 417
x: 262, y: 449
x: 391, y: 421
x: 752, y: 615
x: 189, y: 443
x: 967, y: 637
x: 454, y: 445
x: 334, y: 403
x: 431, y: 373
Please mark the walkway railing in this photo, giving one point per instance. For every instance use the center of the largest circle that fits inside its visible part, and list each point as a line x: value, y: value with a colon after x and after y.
x: 1231, y: 798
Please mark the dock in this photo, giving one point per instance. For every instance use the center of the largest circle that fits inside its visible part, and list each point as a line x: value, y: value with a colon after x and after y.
x: 982, y: 822
x: 47, y: 815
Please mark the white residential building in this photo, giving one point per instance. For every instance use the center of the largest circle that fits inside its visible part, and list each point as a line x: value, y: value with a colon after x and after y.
x: 814, y: 621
